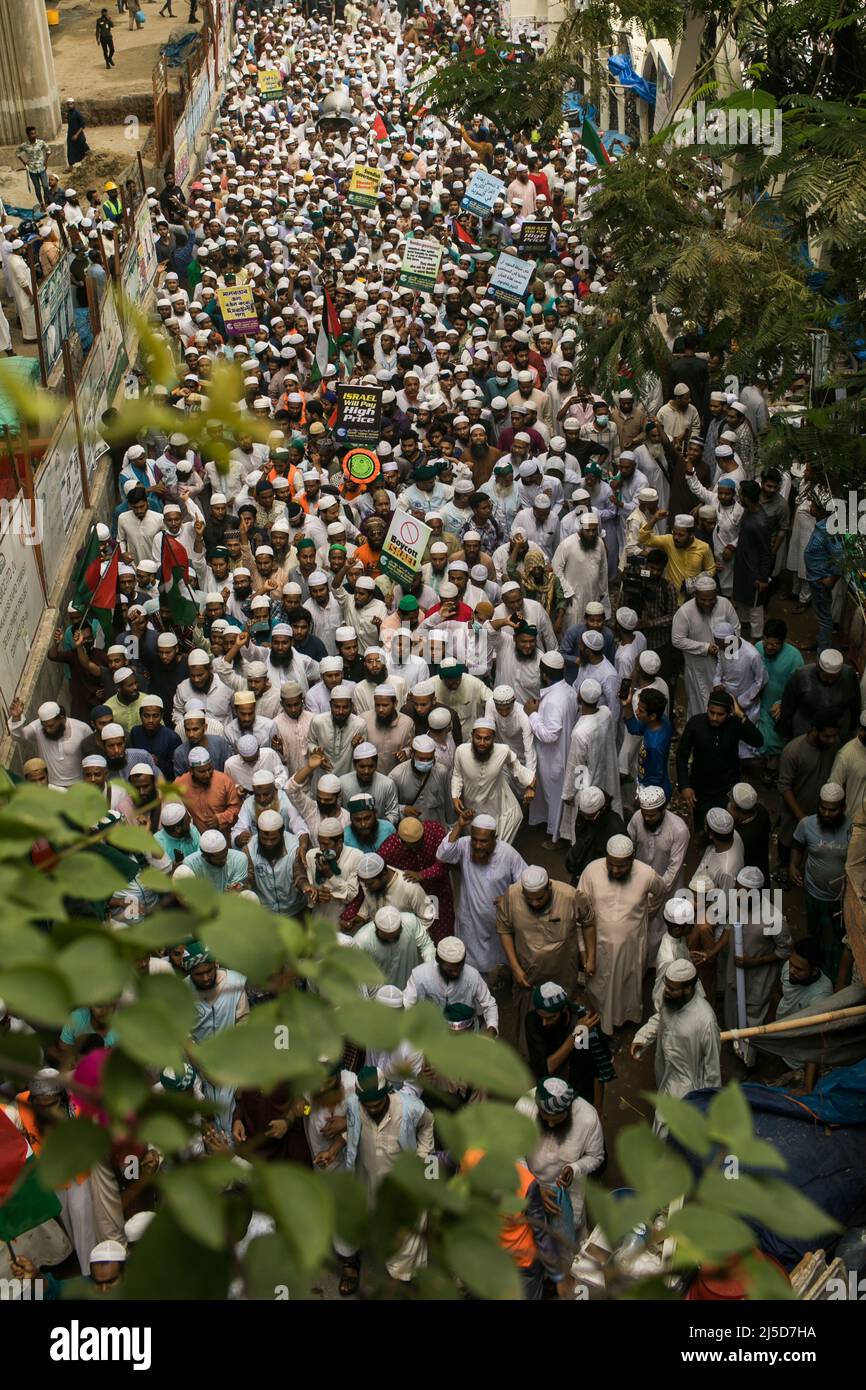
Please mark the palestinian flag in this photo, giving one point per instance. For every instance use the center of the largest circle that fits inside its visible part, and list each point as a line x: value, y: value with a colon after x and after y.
x: 380, y: 130
x: 175, y: 585
x: 592, y: 143
x: 95, y: 589
x: 328, y: 341
x: 24, y: 1203
x: 463, y: 240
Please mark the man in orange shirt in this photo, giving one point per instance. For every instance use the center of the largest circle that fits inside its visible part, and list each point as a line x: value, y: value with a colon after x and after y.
x: 539, y: 1237
x: 213, y: 800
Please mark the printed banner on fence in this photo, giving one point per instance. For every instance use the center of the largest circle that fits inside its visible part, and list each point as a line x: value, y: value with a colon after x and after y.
x: 146, y: 247
x: 58, y: 489
x: 534, y: 235
x: 56, y: 311
x: 270, y: 82
x: 21, y: 600
x: 482, y: 192
x: 510, y: 279
x: 359, y: 412
x: 238, y: 308
x: 404, y: 548
x: 364, y: 186
x: 421, y: 262
x: 181, y: 155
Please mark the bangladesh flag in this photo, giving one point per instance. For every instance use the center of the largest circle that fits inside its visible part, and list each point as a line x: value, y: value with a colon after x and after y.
x: 380, y: 130
x: 592, y: 143
x: 24, y: 1203
x: 174, y: 570
x: 95, y: 588
x: 328, y: 341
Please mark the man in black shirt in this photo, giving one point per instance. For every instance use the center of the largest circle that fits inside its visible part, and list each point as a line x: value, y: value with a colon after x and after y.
x: 708, y: 762
x: 563, y: 1039
x: 752, y: 823
x: 172, y: 200
x: 596, y: 823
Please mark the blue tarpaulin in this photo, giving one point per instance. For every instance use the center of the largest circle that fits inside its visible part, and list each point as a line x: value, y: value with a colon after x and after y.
x: 620, y: 68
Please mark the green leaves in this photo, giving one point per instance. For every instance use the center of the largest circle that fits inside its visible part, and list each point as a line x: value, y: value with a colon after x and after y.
x: 243, y: 936
x: 38, y: 993
x: 94, y: 970
x: 478, y: 1061
x: 706, y: 1236
x: 303, y: 1207
x: 196, y: 1209
x: 778, y: 1205
x: 71, y: 1148
x: 134, y: 839
x: 651, y: 1167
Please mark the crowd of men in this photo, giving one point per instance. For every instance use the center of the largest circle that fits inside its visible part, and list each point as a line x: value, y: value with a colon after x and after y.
x: 586, y: 669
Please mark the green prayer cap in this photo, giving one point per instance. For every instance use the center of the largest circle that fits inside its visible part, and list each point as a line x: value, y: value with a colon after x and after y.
x: 459, y: 1017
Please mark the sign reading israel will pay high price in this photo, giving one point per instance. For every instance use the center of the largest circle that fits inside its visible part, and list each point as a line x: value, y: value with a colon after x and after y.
x: 404, y: 548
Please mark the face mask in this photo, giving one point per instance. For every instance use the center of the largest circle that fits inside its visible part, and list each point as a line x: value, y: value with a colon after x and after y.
x: 421, y: 767
x: 602, y: 419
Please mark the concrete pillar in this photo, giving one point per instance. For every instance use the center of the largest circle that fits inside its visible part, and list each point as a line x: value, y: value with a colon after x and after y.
x: 28, y: 85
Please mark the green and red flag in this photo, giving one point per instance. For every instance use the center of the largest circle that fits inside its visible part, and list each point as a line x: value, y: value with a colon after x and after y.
x: 95, y: 587
x: 328, y: 341
x: 592, y: 143
x: 24, y: 1202
x: 380, y: 130
x: 463, y: 240
x: 175, y: 583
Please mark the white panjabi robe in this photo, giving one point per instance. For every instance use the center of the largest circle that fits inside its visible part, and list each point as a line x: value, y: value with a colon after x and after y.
x: 622, y: 908
x: 692, y: 634
x: 552, y: 724
x: 583, y: 576
x: 744, y: 675
x: 592, y: 754
x: 664, y: 849
x: 485, y: 786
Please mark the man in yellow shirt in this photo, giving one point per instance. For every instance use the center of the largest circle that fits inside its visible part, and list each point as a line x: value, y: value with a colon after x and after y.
x: 687, y: 557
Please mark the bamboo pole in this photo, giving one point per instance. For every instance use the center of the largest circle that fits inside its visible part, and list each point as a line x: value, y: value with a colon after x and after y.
x: 787, y: 1025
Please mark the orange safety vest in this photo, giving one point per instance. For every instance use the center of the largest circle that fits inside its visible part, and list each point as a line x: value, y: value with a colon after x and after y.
x: 33, y: 1134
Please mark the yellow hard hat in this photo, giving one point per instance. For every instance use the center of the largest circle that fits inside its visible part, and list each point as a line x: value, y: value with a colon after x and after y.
x: 110, y: 186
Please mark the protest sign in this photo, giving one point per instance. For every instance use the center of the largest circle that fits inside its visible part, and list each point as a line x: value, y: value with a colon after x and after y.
x: 364, y: 186
x: 404, y: 548
x: 534, y: 236
x: 270, y: 81
x: 482, y: 192
x: 238, y: 308
x: 359, y: 412
x: 421, y: 262
x: 510, y: 279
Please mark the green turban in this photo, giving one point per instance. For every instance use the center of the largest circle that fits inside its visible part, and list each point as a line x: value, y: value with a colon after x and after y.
x: 553, y: 1096
x: 304, y: 543
x: 425, y: 471
x: 550, y: 997
x: 408, y: 604
x: 371, y: 1085
x: 459, y: 1017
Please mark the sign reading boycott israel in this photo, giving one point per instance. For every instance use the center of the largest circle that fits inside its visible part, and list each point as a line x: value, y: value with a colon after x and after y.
x: 421, y: 262
x: 238, y: 308
x: 359, y: 412
x: 364, y: 186
x: 404, y: 548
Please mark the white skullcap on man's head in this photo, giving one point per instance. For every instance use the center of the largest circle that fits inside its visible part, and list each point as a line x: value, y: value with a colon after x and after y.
x: 451, y: 950
x: 371, y: 866
x: 720, y: 820
x: 679, y: 911
x: 679, y: 972
x: 831, y: 791
x: 590, y: 691
x: 387, y: 919
x: 650, y: 798
x: 750, y: 877
x: 592, y: 639
x: 744, y: 796
x: 212, y: 841
x: 482, y: 822
x: 534, y: 877
x: 619, y: 847
x: 590, y: 800
x: 503, y: 694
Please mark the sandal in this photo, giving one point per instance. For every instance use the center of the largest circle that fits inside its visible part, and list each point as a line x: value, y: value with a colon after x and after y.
x: 350, y: 1277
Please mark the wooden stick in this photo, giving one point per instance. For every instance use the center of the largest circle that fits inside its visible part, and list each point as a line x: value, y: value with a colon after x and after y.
x: 787, y: 1025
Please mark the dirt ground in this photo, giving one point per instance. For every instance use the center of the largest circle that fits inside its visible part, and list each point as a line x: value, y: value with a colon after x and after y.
x: 81, y: 71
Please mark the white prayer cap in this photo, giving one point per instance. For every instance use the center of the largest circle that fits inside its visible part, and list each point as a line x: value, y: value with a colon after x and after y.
x: 330, y: 784
x: 510, y: 586
x: 141, y: 770
x: 594, y: 609
x: 590, y: 691
x: 330, y: 825
x: 555, y: 660
x: 534, y: 877
x: 371, y: 866
x: 684, y: 521
x: 166, y: 639
x: 103, y: 533
x: 592, y: 639
x: 341, y: 692
x: 647, y: 494
x: 136, y: 1226
x: 587, y: 519
x: 650, y: 663
x: 365, y: 750
x: 387, y: 919
x: 679, y: 972
x: 150, y: 702
x: 423, y: 744
x: 439, y: 718
x: 705, y: 584
x: 450, y: 949
x: 627, y: 618
x: 389, y: 995
x: 182, y: 871
x: 542, y: 501
x: 122, y: 674
x: 831, y: 661
x: 483, y: 822
x: 345, y: 634
x: 198, y: 757
x: 503, y: 694
x: 718, y: 397
x: 590, y: 800
x: 723, y: 630
x: 95, y: 760
x: 831, y: 791
x: 484, y: 724
x: 724, y: 451
x: 331, y: 663
x: 248, y: 744
x: 172, y: 813
x: 50, y: 710
x: 744, y: 796
x: 212, y: 841
x: 218, y: 499
x: 112, y: 731
x: 679, y: 910
x: 364, y: 582
x: 720, y: 820
x: 650, y: 798
x: 448, y: 590
x: 263, y: 777
x: 108, y: 1252
x: 269, y: 820
x: 198, y: 657
x: 750, y: 877
x: 619, y: 847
